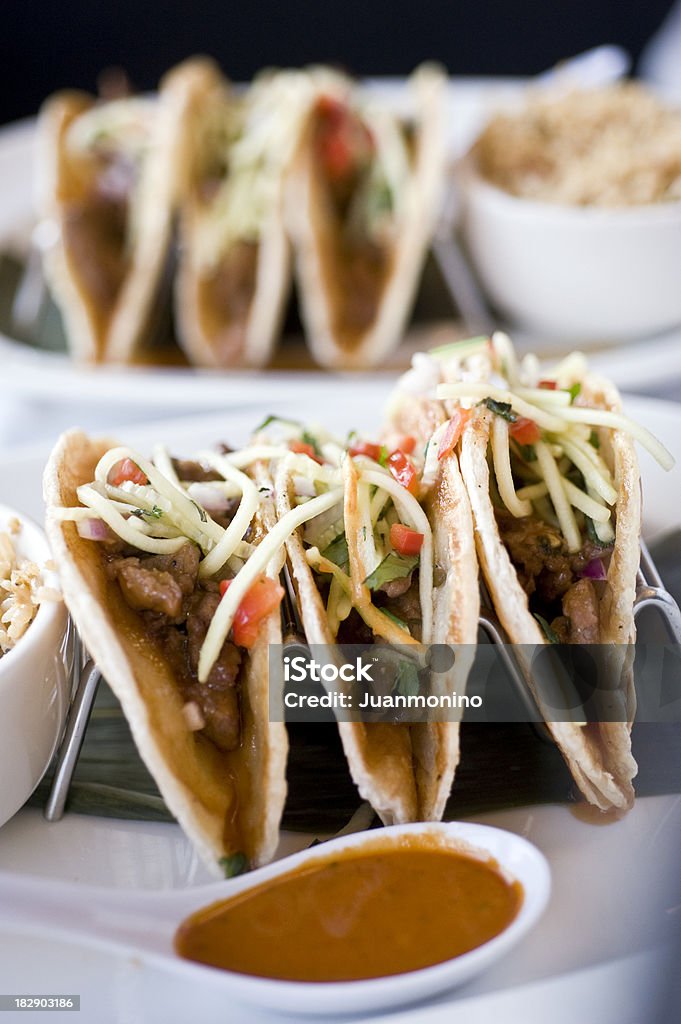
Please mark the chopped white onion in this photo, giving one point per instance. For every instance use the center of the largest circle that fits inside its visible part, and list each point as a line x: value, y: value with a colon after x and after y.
x: 304, y: 486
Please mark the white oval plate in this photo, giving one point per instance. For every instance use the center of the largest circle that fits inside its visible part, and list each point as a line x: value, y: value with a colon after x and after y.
x: 580, y: 960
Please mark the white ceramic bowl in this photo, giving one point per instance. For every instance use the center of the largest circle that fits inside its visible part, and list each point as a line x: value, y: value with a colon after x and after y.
x: 34, y: 688
x: 576, y: 274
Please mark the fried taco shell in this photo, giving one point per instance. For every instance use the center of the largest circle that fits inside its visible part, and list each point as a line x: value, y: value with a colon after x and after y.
x: 362, y: 204
x: 456, y: 604
x: 227, y: 801
x: 404, y: 770
x: 531, y: 484
x: 234, y: 270
x: 598, y: 754
x: 106, y: 180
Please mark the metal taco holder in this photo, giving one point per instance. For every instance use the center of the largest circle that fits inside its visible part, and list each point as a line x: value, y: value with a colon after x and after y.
x: 650, y: 593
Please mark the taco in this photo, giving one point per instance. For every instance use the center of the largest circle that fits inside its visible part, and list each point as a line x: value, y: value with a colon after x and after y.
x: 391, y: 559
x: 234, y: 270
x: 549, y: 463
x: 153, y: 568
x: 106, y: 181
x: 362, y: 204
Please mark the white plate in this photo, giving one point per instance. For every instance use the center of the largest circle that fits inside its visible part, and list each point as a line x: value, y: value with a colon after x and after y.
x: 612, y: 886
x: 46, y: 375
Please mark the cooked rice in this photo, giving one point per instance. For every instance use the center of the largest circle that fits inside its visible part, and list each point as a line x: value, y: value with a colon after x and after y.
x: 21, y: 591
x: 609, y: 147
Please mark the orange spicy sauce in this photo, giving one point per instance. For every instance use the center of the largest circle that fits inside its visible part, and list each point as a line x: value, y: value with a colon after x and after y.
x: 389, y: 908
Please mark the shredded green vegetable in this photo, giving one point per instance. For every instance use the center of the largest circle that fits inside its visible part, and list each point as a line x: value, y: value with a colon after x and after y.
x: 234, y: 864
x: 393, y: 567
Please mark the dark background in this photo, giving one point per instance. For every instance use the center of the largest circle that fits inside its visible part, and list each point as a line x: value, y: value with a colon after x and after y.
x: 50, y: 44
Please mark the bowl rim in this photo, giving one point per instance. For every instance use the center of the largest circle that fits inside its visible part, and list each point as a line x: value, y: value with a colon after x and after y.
x: 48, y: 612
x: 468, y: 175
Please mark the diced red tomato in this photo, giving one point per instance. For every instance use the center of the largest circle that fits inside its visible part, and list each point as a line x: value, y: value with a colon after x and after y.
x: 402, y: 468
x: 261, y: 598
x: 302, y: 448
x: 548, y: 385
x: 343, y: 140
x: 373, y: 451
x: 330, y: 107
x: 337, y: 156
x: 405, y: 540
x: 406, y: 444
x: 124, y: 470
x: 453, y: 432
x: 524, y: 431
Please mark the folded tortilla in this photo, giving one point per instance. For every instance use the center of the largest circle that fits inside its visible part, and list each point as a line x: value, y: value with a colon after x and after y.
x: 598, y: 754
x: 106, y: 179
x: 234, y: 271
x: 405, y: 771
x: 456, y: 605
x: 359, y: 256
x: 227, y: 802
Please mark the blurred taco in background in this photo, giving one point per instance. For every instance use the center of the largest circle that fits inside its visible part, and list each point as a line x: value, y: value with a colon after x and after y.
x: 178, y: 612
x: 105, y: 180
x: 549, y: 463
x: 234, y: 271
x: 362, y: 205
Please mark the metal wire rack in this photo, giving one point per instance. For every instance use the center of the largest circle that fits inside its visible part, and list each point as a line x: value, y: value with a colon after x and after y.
x: 650, y: 593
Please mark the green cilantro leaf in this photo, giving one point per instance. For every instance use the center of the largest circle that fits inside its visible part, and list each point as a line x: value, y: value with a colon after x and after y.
x: 549, y: 633
x: 337, y: 552
x: 234, y: 864
x: 393, y: 567
x: 502, y: 409
x: 145, y: 513
x: 275, y: 419
x: 407, y: 682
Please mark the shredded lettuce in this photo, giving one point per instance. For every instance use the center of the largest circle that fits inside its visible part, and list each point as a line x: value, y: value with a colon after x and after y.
x: 272, y: 418
x: 407, y: 682
x: 337, y: 552
x: 466, y: 346
x: 393, y: 567
x: 308, y: 438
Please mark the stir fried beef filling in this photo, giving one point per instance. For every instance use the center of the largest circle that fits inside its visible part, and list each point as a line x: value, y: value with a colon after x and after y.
x: 228, y: 290
x: 364, y: 267
x: 96, y: 227
x: 400, y: 598
x: 404, y: 603
x: 354, y: 630
x: 194, y: 472
x: 345, y: 148
x: 550, y: 576
x: 177, y: 608
x: 94, y: 234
